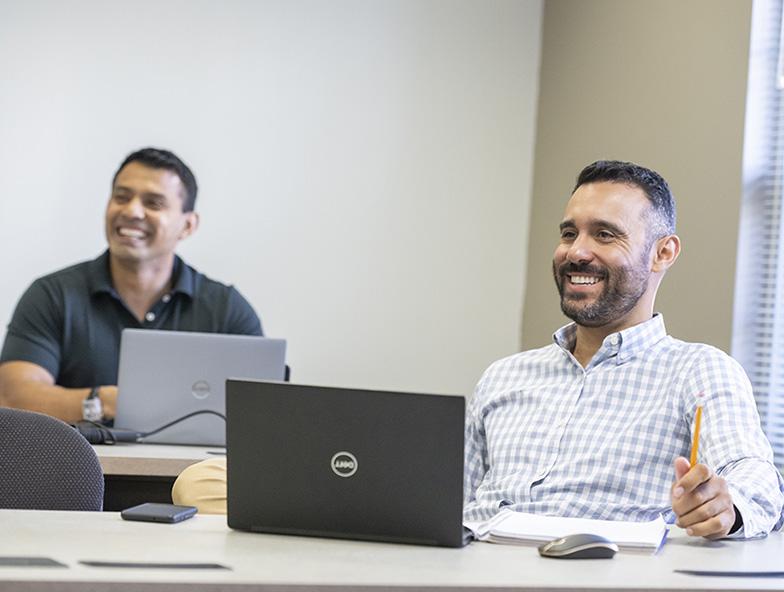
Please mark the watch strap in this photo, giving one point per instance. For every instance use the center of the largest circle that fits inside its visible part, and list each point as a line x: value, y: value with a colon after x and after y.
x: 92, y: 409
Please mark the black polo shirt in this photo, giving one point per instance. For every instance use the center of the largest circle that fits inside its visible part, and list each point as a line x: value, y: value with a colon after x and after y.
x: 70, y: 321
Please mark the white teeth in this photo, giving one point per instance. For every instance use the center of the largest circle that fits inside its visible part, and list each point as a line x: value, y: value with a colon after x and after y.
x: 130, y: 232
x: 584, y: 279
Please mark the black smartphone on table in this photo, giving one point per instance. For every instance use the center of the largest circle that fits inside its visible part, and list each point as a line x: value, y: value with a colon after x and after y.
x: 150, y: 512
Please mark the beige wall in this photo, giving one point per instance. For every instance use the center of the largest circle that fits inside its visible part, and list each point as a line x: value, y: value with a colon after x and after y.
x: 662, y: 84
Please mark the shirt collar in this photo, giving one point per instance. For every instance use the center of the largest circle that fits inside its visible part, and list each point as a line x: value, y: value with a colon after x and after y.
x: 624, y: 344
x: 100, y: 276
x: 184, y: 278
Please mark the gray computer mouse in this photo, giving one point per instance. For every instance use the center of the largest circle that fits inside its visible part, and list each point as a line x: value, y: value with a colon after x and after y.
x: 579, y: 546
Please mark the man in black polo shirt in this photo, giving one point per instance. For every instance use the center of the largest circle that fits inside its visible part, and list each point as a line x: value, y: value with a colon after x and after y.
x: 62, y: 345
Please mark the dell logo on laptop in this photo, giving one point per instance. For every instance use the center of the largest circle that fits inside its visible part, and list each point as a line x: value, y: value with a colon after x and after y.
x: 201, y: 389
x: 344, y: 464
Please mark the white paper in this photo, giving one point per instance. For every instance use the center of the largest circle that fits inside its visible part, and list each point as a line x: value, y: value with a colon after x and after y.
x: 518, y: 528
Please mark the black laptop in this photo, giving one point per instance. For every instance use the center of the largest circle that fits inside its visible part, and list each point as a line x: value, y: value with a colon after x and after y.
x: 335, y: 462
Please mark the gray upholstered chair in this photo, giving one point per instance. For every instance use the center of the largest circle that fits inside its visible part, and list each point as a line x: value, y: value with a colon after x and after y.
x: 45, y: 464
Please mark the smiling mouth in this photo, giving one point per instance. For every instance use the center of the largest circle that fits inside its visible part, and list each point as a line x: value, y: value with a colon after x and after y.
x: 583, y: 280
x: 134, y: 233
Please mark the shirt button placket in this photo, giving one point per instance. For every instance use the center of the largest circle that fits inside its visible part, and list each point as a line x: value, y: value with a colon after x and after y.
x: 559, y: 428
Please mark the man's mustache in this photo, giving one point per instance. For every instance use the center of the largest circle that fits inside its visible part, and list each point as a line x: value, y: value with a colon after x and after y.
x: 580, y: 268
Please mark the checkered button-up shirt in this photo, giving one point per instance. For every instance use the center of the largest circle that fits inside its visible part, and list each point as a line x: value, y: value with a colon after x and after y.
x: 547, y: 436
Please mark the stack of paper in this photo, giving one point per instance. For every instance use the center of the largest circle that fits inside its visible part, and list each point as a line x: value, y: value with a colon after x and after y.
x: 517, y: 528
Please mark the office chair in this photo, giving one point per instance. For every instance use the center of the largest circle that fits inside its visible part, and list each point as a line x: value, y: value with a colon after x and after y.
x: 46, y: 465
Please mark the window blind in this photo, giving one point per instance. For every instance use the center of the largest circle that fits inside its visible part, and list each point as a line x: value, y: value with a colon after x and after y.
x: 758, y: 319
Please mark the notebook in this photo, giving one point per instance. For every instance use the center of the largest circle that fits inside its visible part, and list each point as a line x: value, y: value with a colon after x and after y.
x: 346, y: 463
x: 518, y: 528
x: 165, y: 375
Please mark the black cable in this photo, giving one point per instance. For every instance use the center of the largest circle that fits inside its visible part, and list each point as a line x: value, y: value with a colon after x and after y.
x: 97, y: 433
x: 94, y: 432
x: 183, y: 418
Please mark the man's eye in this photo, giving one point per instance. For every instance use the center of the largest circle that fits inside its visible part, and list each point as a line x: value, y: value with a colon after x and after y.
x: 568, y: 235
x: 120, y: 198
x: 605, y: 235
x: 153, y: 204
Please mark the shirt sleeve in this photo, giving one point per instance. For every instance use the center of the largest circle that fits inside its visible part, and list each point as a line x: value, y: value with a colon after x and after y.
x: 241, y: 319
x: 733, y: 444
x: 475, y: 459
x: 35, y: 331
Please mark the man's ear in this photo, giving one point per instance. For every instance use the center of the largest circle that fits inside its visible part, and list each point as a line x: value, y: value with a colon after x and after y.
x: 191, y: 224
x: 667, y: 250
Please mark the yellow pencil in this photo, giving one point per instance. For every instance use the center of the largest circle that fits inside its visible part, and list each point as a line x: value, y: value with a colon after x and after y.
x: 696, y: 441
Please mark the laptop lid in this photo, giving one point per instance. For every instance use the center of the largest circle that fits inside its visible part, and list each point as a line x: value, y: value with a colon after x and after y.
x: 165, y: 375
x: 345, y: 463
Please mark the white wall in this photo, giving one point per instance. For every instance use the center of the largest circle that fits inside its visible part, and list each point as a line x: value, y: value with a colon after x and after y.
x: 364, y: 166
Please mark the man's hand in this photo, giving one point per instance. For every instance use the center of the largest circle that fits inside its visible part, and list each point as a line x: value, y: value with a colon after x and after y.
x: 701, y: 501
x: 108, y: 396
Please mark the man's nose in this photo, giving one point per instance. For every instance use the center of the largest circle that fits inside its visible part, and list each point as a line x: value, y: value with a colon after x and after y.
x: 133, y: 208
x: 580, y: 251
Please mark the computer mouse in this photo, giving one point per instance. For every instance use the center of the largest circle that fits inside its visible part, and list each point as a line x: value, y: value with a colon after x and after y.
x: 579, y: 546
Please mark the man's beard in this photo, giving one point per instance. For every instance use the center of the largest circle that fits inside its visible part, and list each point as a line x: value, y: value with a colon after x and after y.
x: 622, y: 289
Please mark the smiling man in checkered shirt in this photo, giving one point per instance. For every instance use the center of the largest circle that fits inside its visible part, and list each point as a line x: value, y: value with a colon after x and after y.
x: 598, y: 423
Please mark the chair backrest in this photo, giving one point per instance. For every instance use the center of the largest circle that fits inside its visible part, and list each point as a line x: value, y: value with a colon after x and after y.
x: 45, y: 464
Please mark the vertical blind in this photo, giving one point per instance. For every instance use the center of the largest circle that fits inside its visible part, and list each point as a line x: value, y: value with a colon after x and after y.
x: 758, y: 320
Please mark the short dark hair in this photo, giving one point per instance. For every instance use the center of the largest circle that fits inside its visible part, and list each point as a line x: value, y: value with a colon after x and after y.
x: 157, y: 158
x: 652, y: 183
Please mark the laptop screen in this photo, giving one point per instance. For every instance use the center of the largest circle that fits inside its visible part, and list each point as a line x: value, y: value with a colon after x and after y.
x: 165, y: 375
x: 345, y: 463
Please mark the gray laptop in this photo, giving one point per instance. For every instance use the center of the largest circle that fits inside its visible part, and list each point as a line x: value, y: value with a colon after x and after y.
x: 345, y: 463
x: 165, y: 375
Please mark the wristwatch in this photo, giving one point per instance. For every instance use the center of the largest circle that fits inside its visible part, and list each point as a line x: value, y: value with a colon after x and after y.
x: 92, y: 410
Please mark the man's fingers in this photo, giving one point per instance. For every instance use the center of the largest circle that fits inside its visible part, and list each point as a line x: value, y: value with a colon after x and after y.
x: 690, y: 500
x: 702, y: 503
x: 714, y: 488
x: 716, y: 527
x: 703, y: 512
x: 696, y: 476
x: 681, y: 467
